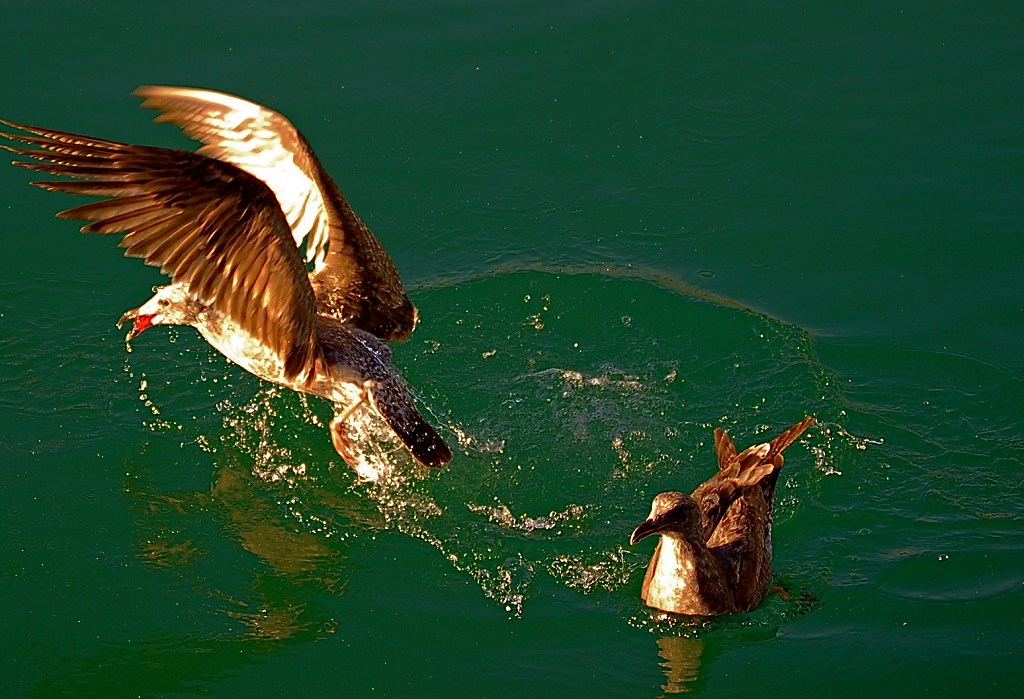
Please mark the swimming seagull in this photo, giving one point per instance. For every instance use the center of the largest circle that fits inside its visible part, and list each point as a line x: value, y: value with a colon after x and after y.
x: 225, y: 223
x: 714, y: 555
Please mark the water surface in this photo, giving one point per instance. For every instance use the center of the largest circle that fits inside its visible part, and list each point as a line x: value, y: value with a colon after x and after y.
x: 624, y: 226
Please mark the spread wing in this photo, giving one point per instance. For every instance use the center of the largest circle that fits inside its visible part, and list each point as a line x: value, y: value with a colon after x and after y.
x: 353, y: 276
x: 261, y: 142
x: 741, y: 538
x: 202, y: 221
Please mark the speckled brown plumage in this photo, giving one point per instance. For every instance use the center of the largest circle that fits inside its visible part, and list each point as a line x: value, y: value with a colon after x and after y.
x: 714, y: 555
x: 369, y: 360
x: 225, y: 224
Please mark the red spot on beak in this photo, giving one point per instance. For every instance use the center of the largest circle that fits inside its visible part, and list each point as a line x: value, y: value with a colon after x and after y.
x: 139, y: 324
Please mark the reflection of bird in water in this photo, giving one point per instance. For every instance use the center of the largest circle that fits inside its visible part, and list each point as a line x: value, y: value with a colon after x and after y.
x: 271, y: 600
x: 715, y: 551
x: 682, y: 662
x: 225, y: 223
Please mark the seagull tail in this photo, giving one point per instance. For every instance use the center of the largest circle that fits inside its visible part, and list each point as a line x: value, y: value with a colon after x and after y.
x: 422, y: 440
x: 788, y: 437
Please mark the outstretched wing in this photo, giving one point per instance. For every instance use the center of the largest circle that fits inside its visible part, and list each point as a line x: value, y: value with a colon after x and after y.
x: 258, y: 140
x: 202, y: 221
x: 354, y: 278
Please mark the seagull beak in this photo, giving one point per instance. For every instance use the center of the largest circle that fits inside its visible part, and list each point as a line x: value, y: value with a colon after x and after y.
x: 645, y: 529
x: 139, y: 323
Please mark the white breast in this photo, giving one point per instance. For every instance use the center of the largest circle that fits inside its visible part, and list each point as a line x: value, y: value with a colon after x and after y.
x: 672, y: 575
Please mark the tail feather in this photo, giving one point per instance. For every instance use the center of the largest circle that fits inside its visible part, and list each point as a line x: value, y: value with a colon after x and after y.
x: 775, y: 458
x: 756, y: 465
x: 421, y: 439
x: 788, y: 437
x: 724, y: 447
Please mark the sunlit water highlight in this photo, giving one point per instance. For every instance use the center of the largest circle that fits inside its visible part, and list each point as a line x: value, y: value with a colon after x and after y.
x: 513, y: 367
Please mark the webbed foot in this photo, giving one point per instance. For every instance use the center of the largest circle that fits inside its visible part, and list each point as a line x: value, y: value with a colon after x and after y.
x: 781, y: 591
x: 339, y: 438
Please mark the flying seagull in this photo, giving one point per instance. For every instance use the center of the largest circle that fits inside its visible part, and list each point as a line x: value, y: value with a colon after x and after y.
x: 226, y: 224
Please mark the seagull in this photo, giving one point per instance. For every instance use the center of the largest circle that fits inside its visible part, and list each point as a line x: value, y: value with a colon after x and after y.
x: 226, y: 224
x: 714, y: 555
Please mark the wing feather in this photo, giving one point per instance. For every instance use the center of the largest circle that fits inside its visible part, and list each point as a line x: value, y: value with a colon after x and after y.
x: 204, y: 222
x: 354, y: 278
x: 258, y: 140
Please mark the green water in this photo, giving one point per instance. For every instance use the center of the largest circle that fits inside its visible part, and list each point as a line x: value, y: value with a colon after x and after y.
x: 624, y: 225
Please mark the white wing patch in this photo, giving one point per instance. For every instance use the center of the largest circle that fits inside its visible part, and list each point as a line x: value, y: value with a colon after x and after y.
x: 261, y: 142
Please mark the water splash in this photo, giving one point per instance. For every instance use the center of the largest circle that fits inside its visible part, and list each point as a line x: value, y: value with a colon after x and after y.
x: 558, y: 450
